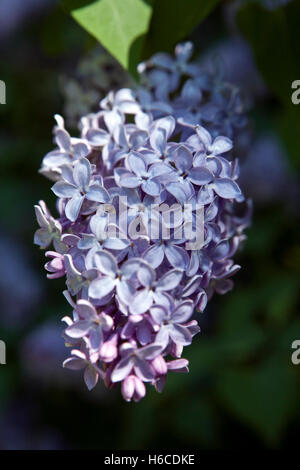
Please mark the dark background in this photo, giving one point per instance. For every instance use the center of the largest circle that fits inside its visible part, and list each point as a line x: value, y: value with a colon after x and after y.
x: 243, y: 390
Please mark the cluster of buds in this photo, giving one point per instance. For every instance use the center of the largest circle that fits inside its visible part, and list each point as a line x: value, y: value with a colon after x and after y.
x: 147, y: 226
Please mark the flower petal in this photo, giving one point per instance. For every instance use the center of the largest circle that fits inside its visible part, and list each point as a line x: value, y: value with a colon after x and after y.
x: 226, y: 188
x: 151, y: 187
x: 193, y: 264
x: 143, y: 370
x: 97, y: 193
x: 74, y: 363
x: 116, y: 244
x: 143, y: 332
x: 167, y: 123
x: 201, y: 300
x: 200, y: 175
x: 159, y: 313
x: 162, y: 337
x: 177, y: 190
x: 80, y: 150
x: 128, y: 180
x: 86, y: 310
x: 146, y: 275
x: 191, y: 286
x: 138, y: 138
x: 137, y: 164
x: 154, y: 255
x: 62, y: 139
x: 221, y: 145
x: 180, y: 335
x: 221, y: 250
x: 97, y: 137
x: 130, y: 268
x: 179, y: 365
x: 170, y: 280
x: 95, y: 337
x: 125, y: 292
x: 158, y: 140
x: 73, y: 207
x: 129, y: 107
x: 191, y: 93
x: 205, y: 195
x: 87, y: 241
x: 78, y: 329
x: 183, y: 158
x: 141, y: 302
x: 90, y: 377
x: 203, y: 135
x: 177, y: 256
x: 82, y: 173
x: 98, y: 226
x: 63, y: 189
x: 142, y: 120
x: 99, y: 288
x: 122, y: 369
x: 112, y: 119
x: 106, y: 263
x: 41, y: 216
x: 43, y: 237
x: 183, y: 312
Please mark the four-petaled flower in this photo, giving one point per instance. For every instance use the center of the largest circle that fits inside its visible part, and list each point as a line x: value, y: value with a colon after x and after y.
x: 138, y: 174
x: 89, y: 324
x: 171, y: 319
x: 78, y: 186
x: 152, y: 289
x: 112, y: 277
x: 136, y: 359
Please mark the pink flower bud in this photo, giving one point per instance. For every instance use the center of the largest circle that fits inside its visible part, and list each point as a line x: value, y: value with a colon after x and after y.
x: 133, y: 388
x: 128, y: 387
x: 140, y: 389
x: 56, y: 265
x: 159, y: 365
x: 108, y: 350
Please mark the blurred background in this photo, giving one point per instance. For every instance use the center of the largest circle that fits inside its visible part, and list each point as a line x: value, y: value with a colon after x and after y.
x: 243, y: 392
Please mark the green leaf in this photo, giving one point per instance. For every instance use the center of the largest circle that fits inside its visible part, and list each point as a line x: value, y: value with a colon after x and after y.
x: 126, y: 30
x: 173, y: 20
x: 120, y: 26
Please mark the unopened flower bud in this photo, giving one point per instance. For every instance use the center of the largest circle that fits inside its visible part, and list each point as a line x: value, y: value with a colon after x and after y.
x: 133, y: 388
x: 56, y: 265
x: 108, y: 350
x: 159, y: 365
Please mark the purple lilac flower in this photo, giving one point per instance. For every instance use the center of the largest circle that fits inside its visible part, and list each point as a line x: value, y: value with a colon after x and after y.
x: 68, y: 150
x: 50, y: 229
x: 171, y: 319
x: 134, y: 289
x: 196, y: 91
x: 77, y: 186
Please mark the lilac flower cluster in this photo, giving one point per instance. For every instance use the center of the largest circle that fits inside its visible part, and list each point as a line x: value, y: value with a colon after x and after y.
x: 195, y: 92
x: 133, y: 292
